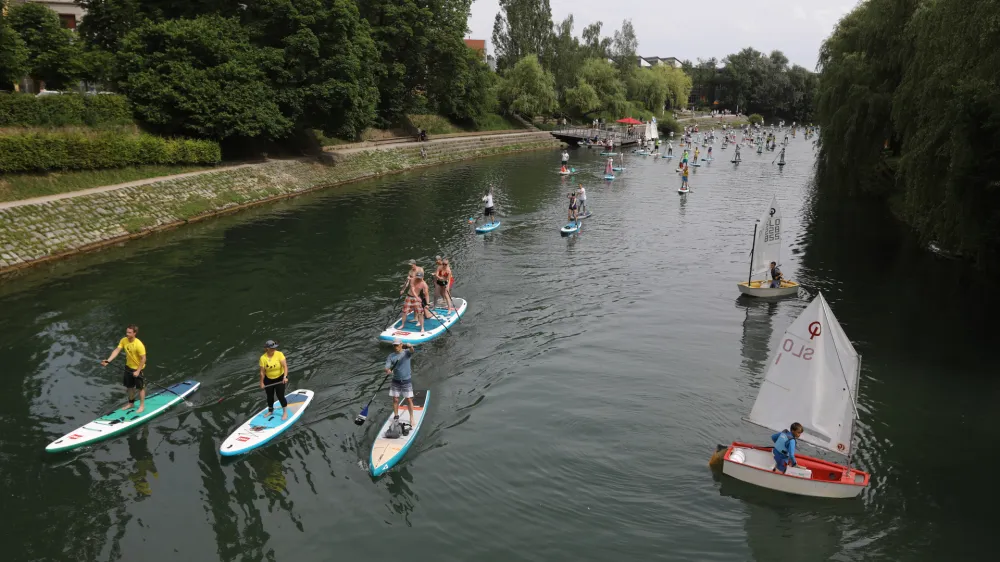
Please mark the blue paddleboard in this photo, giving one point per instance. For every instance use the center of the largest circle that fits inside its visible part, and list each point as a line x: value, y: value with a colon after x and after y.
x: 266, y: 426
x: 487, y: 227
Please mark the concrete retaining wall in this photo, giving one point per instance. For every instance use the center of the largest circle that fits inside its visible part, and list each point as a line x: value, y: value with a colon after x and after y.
x: 33, y: 232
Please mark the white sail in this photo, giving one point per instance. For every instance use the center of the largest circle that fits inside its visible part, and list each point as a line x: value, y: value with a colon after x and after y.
x: 767, y: 248
x: 812, y: 379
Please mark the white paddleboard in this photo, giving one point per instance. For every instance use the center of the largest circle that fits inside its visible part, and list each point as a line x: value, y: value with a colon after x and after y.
x: 121, y: 420
x: 387, y: 452
x: 264, y: 427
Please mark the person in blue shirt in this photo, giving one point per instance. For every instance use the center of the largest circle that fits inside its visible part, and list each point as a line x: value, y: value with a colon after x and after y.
x: 784, y: 447
x: 398, y: 363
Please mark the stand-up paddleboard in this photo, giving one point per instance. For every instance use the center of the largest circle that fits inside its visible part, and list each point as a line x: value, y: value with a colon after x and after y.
x: 609, y: 176
x: 682, y: 190
x: 433, y: 327
x: 667, y: 156
x: 695, y: 165
x: 587, y: 216
x: 488, y: 227
x: 387, y: 451
x: 571, y: 228
x: 781, y: 163
x: 609, y: 154
x: 735, y: 161
x: 265, y: 426
x: 567, y: 172
x: 618, y: 168
x: 123, y: 419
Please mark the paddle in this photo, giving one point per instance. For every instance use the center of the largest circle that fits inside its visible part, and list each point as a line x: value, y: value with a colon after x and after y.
x: 186, y: 401
x: 360, y: 420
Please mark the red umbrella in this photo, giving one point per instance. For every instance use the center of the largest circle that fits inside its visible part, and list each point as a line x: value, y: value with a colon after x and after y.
x: 630, y: 121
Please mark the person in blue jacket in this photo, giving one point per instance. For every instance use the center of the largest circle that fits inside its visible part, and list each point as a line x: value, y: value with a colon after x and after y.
x: 784, y: 446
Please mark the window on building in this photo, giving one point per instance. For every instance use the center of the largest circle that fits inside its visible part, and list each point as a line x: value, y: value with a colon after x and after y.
x: 68, y: 20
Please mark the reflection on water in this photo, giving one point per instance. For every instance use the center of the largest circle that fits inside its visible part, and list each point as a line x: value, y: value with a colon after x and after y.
x: 578, y: 399
x: 143, y: 462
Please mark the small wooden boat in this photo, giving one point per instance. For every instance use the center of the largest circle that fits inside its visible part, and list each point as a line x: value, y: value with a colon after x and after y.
x: 813, y: 378
x: 766, y: 248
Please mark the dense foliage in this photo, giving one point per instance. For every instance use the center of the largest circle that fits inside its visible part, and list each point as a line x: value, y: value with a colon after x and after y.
x: 52, y: 52
x: 909, y: 100
x: 44, y: 151
x: 751, y: 82
x: 26, y: 110
x: 13, y: 55
x: 591, y: 76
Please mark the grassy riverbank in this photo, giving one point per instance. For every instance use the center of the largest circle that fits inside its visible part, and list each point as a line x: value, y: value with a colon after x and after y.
x: 34, y: 232
x: 15, y: 187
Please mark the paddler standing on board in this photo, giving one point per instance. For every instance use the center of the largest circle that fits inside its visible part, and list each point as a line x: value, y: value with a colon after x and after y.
x: 401, y: 386
x: 442, y: 280
x: 417, y: 295
x: 684, y: 178
x: 274, y: 377
x: 581, y: 196
x: 135, y: 362
x: 488, y: 210
x: 565, y: 159
x: 573, y: 208
x: 784, y: 447
x: 670, y: 146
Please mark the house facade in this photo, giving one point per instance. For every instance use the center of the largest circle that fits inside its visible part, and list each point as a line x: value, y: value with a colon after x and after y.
x: 647, y: 62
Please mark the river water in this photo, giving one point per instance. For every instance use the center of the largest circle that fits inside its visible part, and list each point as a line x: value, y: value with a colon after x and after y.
x: 574, y: 407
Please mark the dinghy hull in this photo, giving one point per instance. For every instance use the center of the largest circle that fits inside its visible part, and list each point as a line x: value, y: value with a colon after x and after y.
x: 820, y: 479
x: 763, y: 289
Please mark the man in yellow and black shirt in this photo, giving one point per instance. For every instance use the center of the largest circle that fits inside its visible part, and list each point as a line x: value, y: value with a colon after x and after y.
x: 135, y: 362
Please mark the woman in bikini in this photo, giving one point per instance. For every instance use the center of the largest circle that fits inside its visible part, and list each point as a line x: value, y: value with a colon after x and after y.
x: 572, y: 207
x: 442, y: 283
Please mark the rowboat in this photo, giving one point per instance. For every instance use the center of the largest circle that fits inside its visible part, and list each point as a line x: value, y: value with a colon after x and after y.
x: 813, y: 379
x: 766, y: 248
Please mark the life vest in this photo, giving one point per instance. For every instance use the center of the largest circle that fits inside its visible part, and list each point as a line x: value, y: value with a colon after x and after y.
x: 781, y: 444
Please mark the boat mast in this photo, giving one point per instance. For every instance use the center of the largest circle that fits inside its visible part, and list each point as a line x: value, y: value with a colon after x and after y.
x: 752, y: 247
x: 857, y: 382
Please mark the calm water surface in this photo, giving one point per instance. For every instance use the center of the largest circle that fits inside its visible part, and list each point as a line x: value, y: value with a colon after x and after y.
x: 575, y: 406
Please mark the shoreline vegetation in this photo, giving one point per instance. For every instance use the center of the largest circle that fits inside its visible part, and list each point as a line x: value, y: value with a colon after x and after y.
x: 909, y: 113
x: 38, y: 232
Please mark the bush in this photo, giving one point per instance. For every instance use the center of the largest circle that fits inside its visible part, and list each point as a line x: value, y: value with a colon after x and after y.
x: 666, y: 123
x: 756, y: 119
x: 65, y: 110
x: 42, y: 151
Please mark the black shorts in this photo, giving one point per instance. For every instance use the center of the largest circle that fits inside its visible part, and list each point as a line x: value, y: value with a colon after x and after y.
x: 488, y: 212
x: 131, y: 381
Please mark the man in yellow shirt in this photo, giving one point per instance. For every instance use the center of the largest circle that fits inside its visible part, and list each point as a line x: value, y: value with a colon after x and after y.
x: 274, y: 376
x: 135, y: 362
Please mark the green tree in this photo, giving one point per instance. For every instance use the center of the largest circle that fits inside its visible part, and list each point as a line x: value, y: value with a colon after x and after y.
x: 582, y: 99
x: 566, y: 55
x: 401, y: 34
x: 53, y: 54
x: 13, y: 56
x: 521, y: 28
x: 201, y: 77
x: 595, y: 46
x: 461, y: 86
x: 624, y: 49
x: 528, y: 89
x: 604, y: 79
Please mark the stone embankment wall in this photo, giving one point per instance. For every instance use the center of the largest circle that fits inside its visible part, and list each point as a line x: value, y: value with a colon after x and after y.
x: 34, y: 232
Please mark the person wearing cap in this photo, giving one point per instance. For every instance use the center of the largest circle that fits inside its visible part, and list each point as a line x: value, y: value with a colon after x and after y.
x: 135, y: 362
x: 417, y: 295
x: 274, y: 377
x: 401, y: 386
